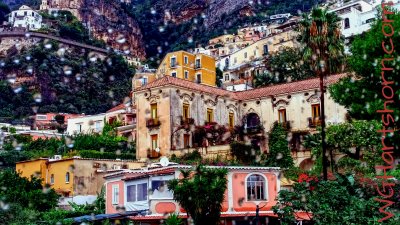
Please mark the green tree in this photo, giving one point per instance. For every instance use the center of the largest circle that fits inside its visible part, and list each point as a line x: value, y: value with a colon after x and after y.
x: 201, y: 193
x: 219, y: 75
x: 279, y: 152
x: 289, y: 65
x: 24, y: 198
x: 361, y: 94
x: 264, y: 79
x: 173, y: 219
x: 4, y: 10
x: 358, y: 140
x: 345, y: 200
x: 323, y: 48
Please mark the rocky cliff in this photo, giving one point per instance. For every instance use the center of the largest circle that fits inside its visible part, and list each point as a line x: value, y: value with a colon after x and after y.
x: 106, y: 20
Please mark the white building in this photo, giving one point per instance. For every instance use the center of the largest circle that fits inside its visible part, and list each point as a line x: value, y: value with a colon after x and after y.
x: 357, y: 16
x: 86, y: 124
x: 25, y: 17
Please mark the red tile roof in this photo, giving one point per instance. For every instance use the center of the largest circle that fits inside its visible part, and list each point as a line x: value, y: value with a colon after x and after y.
x: 278, y: 89
x: 118, y: 107
x: 291, y: 87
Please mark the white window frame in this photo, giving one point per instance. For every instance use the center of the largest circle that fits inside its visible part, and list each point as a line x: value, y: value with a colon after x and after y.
x: 265, y: 188
x: 170, y: 61
x: 97, y: 125
x: 115, y: 194
x: 136, y: 183
x: 67, y: 175
x: 174, y: 72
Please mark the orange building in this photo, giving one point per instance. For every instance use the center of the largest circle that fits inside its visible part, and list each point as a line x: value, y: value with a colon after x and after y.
x: 73, y: 176
x: 197, y: 68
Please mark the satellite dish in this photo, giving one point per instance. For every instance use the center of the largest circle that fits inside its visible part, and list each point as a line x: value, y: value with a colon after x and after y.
x: 164, y: 161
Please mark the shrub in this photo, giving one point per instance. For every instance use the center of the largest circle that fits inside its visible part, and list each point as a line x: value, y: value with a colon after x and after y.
x: 243, y: 152
x: 105, y: 155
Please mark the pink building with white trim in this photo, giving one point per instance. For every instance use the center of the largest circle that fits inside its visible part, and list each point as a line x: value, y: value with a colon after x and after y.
x: 146, y: 189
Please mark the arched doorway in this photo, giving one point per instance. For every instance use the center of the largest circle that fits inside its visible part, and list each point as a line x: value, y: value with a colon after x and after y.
x: 307, y: 164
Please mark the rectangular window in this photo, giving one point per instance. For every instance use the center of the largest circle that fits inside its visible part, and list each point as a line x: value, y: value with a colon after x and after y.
x: 186, y: 74
x: 197, y: 64
x: 185, y: 60
x: 235, y: 60
x: 265, y: 49
x: 144, y: 80
x: 98, y: 126
x: 52, y: 179
x: 173, y: 62
x: 41, y: 117
x: 346, y: 23
x: 226, y: 77
x: 282, y: 115
x: 173, y: 74
x: 186, y: 140
x: 185, y: 111
x: 198, y: 76
x: 131, y: 193
x: 154, y: 141
x: 231, y: 120
x: 142, y: 192
x: 79, y: 127
x: 115, y: 194
x: 245, y: 55
x: 315, y: 113
x: 153, y: 110
x: 210, y: 115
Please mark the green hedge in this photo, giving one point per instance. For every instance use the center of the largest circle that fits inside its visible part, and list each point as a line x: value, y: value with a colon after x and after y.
x: 105, y: 155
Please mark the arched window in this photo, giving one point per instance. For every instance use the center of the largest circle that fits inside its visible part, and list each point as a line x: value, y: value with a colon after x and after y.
x: 256, y: 188
x: 346, y: 23
x: 67, y: 177
x: 252, y: 120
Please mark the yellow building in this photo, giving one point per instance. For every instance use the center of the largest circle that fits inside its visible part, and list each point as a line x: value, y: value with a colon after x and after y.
x: 73, y: 176
x: 197, y: 68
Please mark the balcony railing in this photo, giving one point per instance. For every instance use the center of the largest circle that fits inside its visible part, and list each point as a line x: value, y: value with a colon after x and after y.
x: 174, y: 65
x: 187, y: 121
x: 152, y: 122
x: 197, y: 66
x: 285, y: 124
x: 254, y: 130
x: 314, y: 122
x: 152, y: 154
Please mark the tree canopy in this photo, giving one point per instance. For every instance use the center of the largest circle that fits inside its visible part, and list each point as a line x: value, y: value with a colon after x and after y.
x: 201, y: 193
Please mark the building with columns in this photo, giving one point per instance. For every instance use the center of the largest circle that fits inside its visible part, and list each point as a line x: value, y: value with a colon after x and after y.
x: 172, y: 111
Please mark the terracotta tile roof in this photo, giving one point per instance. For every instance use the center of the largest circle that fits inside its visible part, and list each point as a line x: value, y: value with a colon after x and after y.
x: 278, y: 89
x: 119, y: 107
x: 168, y: 80
x: 116, y: 108
x: 291, y: 87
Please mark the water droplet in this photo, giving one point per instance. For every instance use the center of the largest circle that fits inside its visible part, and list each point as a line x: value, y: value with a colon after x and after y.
x: 48, y: 46
x: 67, y: 70
x: 121, y: 39
x: 37, y: 97
x: 11, y: 78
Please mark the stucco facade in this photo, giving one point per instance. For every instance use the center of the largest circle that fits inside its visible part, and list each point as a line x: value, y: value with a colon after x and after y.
x: 74, y: 176
x: 197, y: 68
x: 25, y: 17
x: 162, y: 105
x: 240, y: 201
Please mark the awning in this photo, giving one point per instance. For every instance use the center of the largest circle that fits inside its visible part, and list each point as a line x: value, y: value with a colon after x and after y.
x: 100, y: 217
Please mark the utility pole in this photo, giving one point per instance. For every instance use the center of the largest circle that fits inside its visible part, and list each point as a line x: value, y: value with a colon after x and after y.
x: 322, y: 119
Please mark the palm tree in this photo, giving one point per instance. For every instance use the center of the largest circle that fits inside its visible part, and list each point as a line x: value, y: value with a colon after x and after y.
x: 319, y: 33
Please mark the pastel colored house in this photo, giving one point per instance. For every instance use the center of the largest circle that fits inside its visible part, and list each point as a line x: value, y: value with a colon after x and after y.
x: 73, y: 177
x: 25, y: 17
x: 86, y: 124
x: 47, y: 121
x: 146, y: 189
x: 125, y: 115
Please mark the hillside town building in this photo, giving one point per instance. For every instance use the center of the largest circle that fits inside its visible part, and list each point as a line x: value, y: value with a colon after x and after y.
x: 25, y: 17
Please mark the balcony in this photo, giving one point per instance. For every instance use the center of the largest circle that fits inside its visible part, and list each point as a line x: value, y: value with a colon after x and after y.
x: 186, y: 121
x: 174, y: 65
x: 254, y: 130
x: 152, y: 122
x: 285, y: 124
x: 153, y: 154
x: 314, y: 122
x: 197, y: 66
